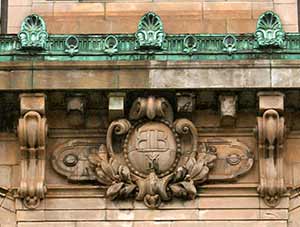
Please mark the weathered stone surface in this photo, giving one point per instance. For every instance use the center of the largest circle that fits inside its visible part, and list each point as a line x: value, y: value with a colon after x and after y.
x: 5, y: 176
x: 201, y: 78
x: 57, y: 215
x: 47, y: 224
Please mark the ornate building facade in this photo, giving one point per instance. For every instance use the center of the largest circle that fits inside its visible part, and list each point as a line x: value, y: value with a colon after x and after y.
x: 149, y: 113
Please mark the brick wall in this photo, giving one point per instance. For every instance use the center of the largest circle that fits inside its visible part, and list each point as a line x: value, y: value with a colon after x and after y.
x: 185, y: 16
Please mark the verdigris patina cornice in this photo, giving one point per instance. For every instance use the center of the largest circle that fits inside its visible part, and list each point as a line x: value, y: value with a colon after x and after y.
x: 150, y: 42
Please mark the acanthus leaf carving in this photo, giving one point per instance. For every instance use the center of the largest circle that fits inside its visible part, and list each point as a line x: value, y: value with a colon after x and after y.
x: 150, y: 34
x: 151, y: 157
x: 33, y: 34
x: 269, y: 30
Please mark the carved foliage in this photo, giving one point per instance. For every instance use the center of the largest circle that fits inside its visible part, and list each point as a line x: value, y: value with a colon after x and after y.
x: 32, y: 131
x: 150, y: 32
x: 269, y: 31
x: 151, y: 157
x: 33, y: 34
x: 270, y: 143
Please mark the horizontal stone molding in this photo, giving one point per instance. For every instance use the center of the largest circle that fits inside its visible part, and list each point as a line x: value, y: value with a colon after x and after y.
x: 149, y: 75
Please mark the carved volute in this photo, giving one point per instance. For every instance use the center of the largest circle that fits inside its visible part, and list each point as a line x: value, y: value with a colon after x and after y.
x: 150, y: 156
x: 32, y: 131
x: 271, y: 131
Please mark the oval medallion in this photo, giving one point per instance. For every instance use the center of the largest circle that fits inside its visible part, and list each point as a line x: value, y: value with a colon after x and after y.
x: 151, y: 147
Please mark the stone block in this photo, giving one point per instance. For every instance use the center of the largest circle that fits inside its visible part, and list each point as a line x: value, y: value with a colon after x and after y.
x: 241, y: 25
x: 8, y: 204
x: 15, y: 79
x: 16, y: 14
x: 116, y: 105
x: 47, y: 224
x: 8, y: 152
x: 290, y: 28
x: 271, y: 100
x: 183, y: 24
x: 43, y: 9
x: 227, y: 10
x: 152, y: 224
x: 287, y: 12
x: 274, y: 214
x: 105, y: 224
x: 230, y: 224
x: 74, y: 203
x: 245, y: 214
x: 214, y: 26
x: 161, y: 8
x: 62, y: 25
x: 20, y: 3
x: 133, y: 78
x: 7, y: 217
x: 78, y: 8
x: 32, y: 102
x: 259, y: 8
x: 94, y: 25
x: 5, y: 176
x: 60, y: 79
x: 210, y: 78
x: 149, y: 215
x: 228, y: 203
x: 58, y: 215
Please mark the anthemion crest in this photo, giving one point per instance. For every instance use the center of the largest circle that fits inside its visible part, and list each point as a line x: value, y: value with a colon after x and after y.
x: 33, y: 34
x: 269, y: 31
x: 150, y: 32
x: 150, y: 156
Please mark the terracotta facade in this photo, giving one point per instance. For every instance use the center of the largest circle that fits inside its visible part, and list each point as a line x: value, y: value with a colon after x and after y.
x: 149, y: 143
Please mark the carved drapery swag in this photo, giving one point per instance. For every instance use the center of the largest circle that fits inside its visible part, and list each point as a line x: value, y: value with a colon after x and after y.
x: 150, y: 156
x: 32, y: 131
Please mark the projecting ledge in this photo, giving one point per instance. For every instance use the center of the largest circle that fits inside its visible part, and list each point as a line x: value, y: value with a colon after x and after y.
x: 149, y: 74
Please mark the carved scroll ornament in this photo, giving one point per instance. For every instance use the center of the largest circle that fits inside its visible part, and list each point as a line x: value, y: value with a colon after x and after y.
x: 149, y: 156
x: 32, y: 131
x: 271, y: 131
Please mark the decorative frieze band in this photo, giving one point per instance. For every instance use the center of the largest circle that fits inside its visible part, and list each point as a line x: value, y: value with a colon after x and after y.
x: 150, y: 42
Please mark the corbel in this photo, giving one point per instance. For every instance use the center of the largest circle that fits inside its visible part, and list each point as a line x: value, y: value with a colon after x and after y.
x: 185, y: 102
x: 271, y: 132
x: 76, y: 109
x: 116, y: 104
x: 32, y: 132
x: 228, y: 106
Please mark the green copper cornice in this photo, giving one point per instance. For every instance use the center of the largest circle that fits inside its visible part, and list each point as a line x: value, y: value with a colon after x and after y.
x: 33, y: 34
x: 150, y: 42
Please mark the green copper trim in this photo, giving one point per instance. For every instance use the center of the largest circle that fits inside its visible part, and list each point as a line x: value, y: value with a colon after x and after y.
x: 33, y: 34
x: 150, y: 42
x: 71, y: 45
x: 150, y: 34
x: 269, y: 31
